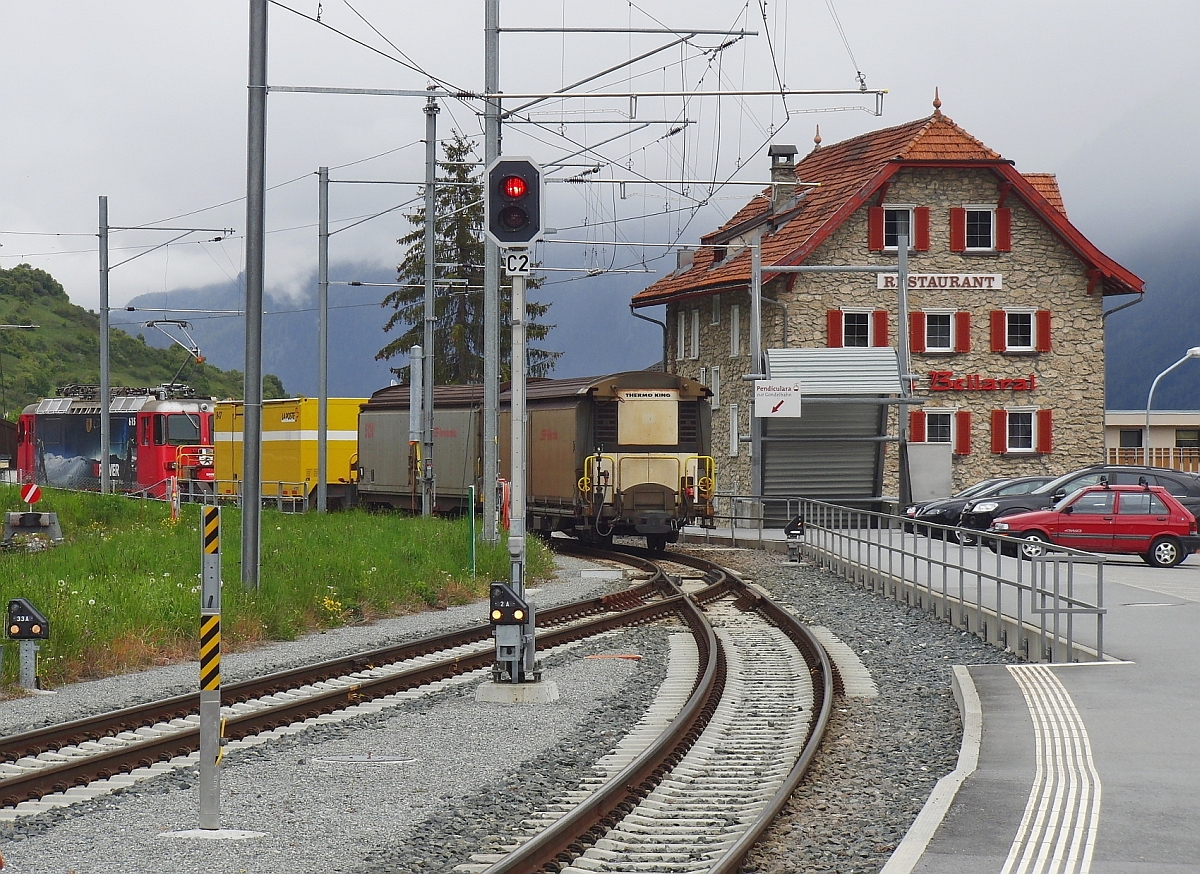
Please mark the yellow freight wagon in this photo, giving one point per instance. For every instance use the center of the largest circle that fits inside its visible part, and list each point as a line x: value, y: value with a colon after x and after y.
x: 289, y: 448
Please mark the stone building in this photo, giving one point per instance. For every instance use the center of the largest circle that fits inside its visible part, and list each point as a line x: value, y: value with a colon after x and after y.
x: 1004, y: 330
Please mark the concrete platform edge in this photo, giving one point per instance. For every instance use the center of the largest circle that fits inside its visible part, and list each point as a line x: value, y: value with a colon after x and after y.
x: 905, y: 857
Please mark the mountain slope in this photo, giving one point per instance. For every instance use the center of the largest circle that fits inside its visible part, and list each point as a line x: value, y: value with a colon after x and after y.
x: 65, y: 348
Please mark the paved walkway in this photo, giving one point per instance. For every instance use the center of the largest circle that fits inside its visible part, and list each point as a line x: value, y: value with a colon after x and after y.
x: 1083, y: 767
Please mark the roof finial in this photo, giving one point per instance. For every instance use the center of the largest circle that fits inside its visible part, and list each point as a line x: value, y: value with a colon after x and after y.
x: 817, y: 139
x: 937, y: 102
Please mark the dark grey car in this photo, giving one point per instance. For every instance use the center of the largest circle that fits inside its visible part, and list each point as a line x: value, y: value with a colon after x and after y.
x: 948, y: 511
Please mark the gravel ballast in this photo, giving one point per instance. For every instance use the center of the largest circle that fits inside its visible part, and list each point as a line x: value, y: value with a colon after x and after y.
x: 420, y: 787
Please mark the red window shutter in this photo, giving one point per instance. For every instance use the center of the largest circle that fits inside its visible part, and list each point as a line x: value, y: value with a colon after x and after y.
x: 962, y: 331
x: 1004, y: 230
x: 833, y: 321
x: 962, y: 432
x: 958, y: 229
x: 999, y: 331
x: 921, y: 231
x: 916, y: 426
x: 916, y: 332
x: 1045, y: 431
x: 879, y: 328
x: 1043, y: 330
x: 875, y: 228
x: 999, y: 431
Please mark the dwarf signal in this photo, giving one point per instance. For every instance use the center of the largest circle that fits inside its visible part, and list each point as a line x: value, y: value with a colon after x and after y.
x: 506, y: 607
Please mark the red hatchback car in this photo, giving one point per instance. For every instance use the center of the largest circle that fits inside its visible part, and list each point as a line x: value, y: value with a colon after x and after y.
x: 1137, y: 520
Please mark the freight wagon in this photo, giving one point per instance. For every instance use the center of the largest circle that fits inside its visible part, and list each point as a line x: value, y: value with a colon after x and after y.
x: 625, y: 454
x: 289, y: 449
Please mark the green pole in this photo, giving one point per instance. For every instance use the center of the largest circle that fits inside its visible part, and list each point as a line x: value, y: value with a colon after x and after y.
x: 472, y: 490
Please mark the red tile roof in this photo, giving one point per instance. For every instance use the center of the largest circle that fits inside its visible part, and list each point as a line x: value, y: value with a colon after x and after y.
x: 850, y: 172
x: 1047, y: 186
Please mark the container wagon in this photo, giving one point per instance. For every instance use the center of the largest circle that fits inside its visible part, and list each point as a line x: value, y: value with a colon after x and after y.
x: 289, y: 449
x: 625, y: 454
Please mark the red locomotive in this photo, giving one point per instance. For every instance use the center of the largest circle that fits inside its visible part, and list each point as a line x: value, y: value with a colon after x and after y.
x: 155, y: 434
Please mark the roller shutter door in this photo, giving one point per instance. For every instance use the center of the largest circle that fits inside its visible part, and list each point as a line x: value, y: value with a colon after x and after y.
x: 815, y: 456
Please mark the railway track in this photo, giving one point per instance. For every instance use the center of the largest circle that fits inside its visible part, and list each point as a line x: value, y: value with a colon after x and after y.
x: 691, y: 789
x: 700, y: 793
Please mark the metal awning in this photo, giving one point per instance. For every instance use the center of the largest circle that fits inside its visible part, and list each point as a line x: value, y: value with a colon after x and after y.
x: 847, y: 372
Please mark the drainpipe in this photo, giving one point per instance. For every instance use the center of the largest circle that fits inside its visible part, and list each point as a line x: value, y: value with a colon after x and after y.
x: 1128, y: 303
x: 662, y: 325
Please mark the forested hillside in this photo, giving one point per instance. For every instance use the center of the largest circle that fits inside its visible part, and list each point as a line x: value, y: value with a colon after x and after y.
x: 65, y: 348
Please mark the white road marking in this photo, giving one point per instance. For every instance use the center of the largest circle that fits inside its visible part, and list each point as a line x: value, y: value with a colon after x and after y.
x: 1058, y: 830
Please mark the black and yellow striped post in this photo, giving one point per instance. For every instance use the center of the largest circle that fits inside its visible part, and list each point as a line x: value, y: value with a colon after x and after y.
x: 210, y: 667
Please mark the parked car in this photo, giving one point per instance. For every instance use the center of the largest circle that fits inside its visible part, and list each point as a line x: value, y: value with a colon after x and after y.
x: 1135, y: 520
x: 947, y: 511
x: 981, y: 513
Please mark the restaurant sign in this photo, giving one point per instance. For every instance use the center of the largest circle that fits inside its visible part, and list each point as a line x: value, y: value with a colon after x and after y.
x: 945, y: 380
x: 944, y: 281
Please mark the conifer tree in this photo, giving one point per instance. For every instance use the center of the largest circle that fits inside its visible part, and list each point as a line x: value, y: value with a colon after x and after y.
x: 458, y: 302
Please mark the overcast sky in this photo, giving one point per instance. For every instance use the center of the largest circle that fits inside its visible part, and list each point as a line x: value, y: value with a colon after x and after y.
x: 145, y: 101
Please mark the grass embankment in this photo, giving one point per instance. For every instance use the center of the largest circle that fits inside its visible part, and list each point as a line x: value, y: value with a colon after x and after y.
x: 122, y: 591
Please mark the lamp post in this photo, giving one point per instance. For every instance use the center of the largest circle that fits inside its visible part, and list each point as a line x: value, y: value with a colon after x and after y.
x: 1194, y: 352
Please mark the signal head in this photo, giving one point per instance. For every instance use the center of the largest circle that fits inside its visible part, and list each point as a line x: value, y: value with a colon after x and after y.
x: 506, y: 607
x: 513, y: 202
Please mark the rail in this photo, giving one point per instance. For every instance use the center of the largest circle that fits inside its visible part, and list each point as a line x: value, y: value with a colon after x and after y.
x: 1032, y: 607
x: 287, y: 497
x: 1184, y: 458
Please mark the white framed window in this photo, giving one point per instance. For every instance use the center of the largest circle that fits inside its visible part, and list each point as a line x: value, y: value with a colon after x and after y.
x: 856, y: 327
x: 695, y: 353
x: 703, y: 376
x: 716, y: 309
x: 981, y: 227
x: 1021, y: 431
x: 897, y: 221
x: 1019, y: 330
x: 715, y: 386
x: 939, y: 426
x: 939, y: 331
x: 735, y: 444
x: 680, y: 335
x: 735, y: 331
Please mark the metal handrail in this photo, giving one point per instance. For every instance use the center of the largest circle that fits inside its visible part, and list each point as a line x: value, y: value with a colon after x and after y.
x: 1027, y: 606
x: 1034, y: 600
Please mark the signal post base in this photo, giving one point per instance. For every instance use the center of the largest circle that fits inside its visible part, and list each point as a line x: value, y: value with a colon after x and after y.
x: 214, y: 834
x: 541, y: 692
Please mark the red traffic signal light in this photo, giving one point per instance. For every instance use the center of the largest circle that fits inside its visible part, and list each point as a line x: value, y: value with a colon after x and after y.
x: 513, y: 187
x: 513, y: 202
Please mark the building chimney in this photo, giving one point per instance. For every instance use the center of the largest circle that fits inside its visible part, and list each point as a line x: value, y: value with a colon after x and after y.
x: 684, y: 259
x: 783, y: 170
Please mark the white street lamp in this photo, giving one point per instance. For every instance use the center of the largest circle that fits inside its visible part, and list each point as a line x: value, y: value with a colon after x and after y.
x: 1194, y: 352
